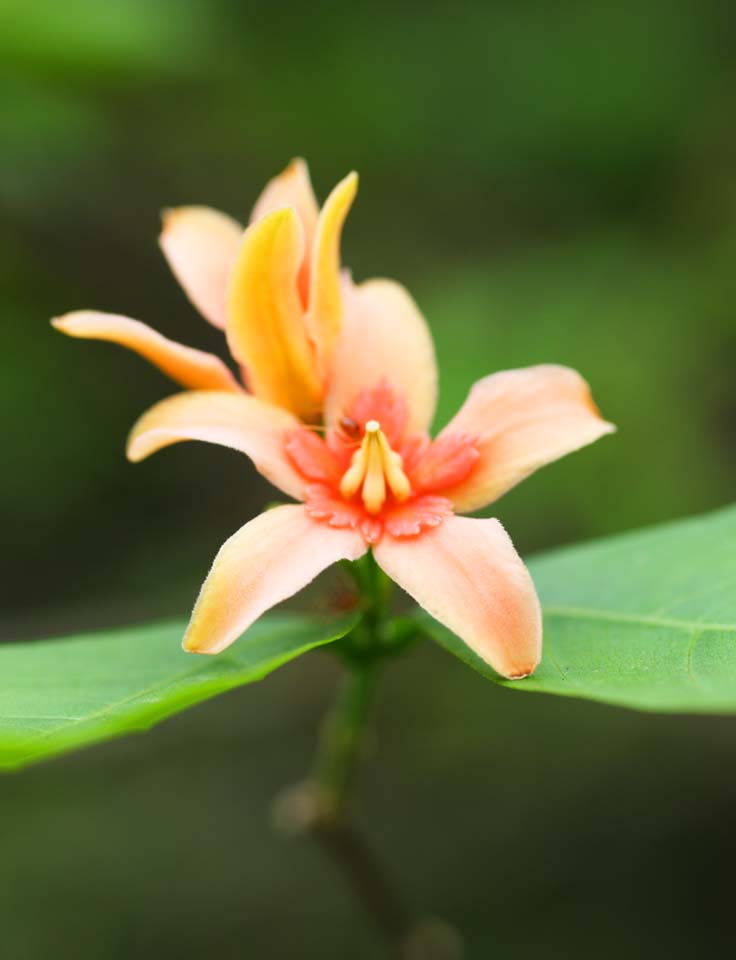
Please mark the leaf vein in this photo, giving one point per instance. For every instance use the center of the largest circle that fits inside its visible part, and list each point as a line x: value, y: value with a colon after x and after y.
x: 614, y: 616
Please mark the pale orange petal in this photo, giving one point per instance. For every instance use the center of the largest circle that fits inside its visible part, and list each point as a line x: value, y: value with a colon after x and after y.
x: 266, y: 561
x: 241, y: 421
x: 522, y: 419
x: 293, y: 188
x: 324, y: 317
x: 191, y: 368
x: 200, y: 245
x: 467, y: 574
x: 265, y: 327
x: 384, y: 338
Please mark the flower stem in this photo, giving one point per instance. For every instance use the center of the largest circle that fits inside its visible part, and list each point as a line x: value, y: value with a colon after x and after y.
x: 337, y: 758
x: 320, y: 806
x: 341, y: 740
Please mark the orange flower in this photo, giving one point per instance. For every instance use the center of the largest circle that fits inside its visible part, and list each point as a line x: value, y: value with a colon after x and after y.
x: 361, y: 356
x: 275, y: 289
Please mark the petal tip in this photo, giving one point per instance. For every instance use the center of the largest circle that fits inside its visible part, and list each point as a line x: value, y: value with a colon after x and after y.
x: 134, y: 452
x: 280, y: 218
x: 349, y: 185
x: 603, y: 428
x: 68, y: 322
x: 138, y: 445
x: 170, y: 218
x: 191, y: 646
x: 521, y: 664
x: 296, y: 166
x: 522, y: 674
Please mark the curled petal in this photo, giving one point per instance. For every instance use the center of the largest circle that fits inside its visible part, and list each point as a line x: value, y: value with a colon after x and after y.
x: 265, y: 326
x: 384, y: 338
x: 522, y: 419
x: 312, y: 456
x: 322, y: 503
x: 239, y: 421
x: 325, y: 313
x: 293, y: 188
x: 200, y: 245
x: 384, y: 404
x: 444, y: 463
x: 413, y: 449
x: 467, y: 574
x: 266, y: 561
x: 191, y: 368
x: 421, y: 513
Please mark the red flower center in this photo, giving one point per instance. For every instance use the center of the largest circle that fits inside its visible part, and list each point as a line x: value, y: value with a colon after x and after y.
x: 367, y: 473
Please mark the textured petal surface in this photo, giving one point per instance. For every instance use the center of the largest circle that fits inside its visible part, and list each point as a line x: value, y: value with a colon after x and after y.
x: 191, y: 368
x: 265, y: 327
x: 293, y: 188
x: 324, y: 317
x: 266, y: 561
x: 200, y: 245
x: 312, y: 456
x: 409, y: 519
x: 442, y: 464
x: 384, y: 404
x: 241, y: 422
x: 522, y: 419
x: 384, y: 338
x: 467, y: 574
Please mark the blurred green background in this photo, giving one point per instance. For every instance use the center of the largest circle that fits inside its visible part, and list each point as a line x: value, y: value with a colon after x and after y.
x: 554, y: 182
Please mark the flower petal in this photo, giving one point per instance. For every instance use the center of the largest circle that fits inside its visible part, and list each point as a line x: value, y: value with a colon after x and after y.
x: 325, y: 313
x: 522, y: 419
x: 441, y: 464
x: 238, y: 421
x: 200, y: 245
x: 411, y: 518
x: 191, y: 368
x: 266, y: 561
x: 384, y: 338
x: 314, y: 459
x: 467, y: 574
x: 384, y: 404
x: 265, y: 327
x: 293, y: 188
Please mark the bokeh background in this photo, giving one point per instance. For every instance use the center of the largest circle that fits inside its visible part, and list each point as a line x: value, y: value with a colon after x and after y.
x: 554, y: 182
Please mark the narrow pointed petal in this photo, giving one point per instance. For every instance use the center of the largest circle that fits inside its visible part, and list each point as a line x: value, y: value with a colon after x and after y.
x: 200, y: 245
x: 265, y: 327
x: 266, y: 561
x: 324, y: 317
x: 467, y: 574
x: 191, y: 368
x: 293, y: 188
x: 241, y: 422
x: 384, y: 338
x: 523, y: 419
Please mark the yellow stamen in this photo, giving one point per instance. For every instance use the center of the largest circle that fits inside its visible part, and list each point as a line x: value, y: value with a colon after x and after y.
x: 392, y: 468
x: 374, y: 465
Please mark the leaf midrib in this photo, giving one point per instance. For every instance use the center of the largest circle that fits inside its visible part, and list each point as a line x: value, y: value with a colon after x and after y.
x: 613, y: 616
x: 224, y: 682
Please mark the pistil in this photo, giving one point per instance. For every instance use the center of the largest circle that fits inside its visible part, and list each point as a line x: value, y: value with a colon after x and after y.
x: 374, y: 466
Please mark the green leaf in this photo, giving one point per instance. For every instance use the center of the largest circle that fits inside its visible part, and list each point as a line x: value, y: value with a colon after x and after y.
x: 56, y: 695
x: 644, y: 620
